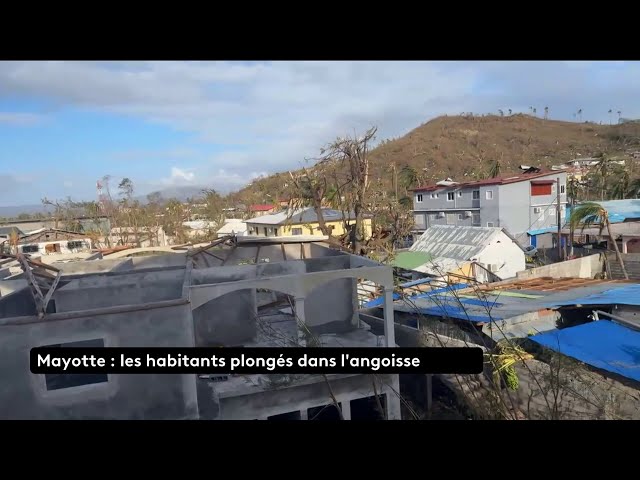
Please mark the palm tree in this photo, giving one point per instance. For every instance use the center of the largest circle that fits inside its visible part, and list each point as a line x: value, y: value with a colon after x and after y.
x: 501, y: 113
x: 408, y: 177
x: 546, y: 113
x: 621, y: 187
x: 604, y: 169
x: 634, y: 188
x: 580, y: 114
x: 619, y: 115
x: 610, y: 111
x: 535, y: 110
x: 592, y: 213
x: 510, y: 111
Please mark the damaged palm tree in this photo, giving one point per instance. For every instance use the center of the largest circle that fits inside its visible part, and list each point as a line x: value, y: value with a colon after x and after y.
x: 310, y: 190
x: 592, y: 213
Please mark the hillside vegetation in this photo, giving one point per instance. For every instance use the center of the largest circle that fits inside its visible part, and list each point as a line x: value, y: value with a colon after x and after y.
x: 464, y: 147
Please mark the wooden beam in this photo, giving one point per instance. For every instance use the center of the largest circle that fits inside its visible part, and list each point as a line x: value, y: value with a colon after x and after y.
x: 257, y: 254
x: 50, y: 292
x: 284, y: 254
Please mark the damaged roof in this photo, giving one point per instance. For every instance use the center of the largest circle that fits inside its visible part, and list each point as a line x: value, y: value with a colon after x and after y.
x: 602, y: 344
x: 449, y: 246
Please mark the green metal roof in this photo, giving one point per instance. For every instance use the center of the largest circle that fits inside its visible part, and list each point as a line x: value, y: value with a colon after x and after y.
x: 411, y: 260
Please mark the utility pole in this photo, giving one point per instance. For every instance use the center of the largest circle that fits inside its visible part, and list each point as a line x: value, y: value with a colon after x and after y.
x: 558, y: 218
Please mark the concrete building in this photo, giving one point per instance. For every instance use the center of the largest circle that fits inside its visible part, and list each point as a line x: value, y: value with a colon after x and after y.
x: 259, y: 210
x: 519, y: 203
x: 51, y: 241
x: 482, y: 253
x: 253, y: 293
x: 304, y: 221
x: 101, y: 224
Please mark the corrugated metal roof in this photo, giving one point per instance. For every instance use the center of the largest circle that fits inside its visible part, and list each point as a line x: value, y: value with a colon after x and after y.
x: 602, y: 344
x: 620, y: 295
x: 455, y: 242
x: 300, y: 216
x: 7, y: 231
x: 540, y: 231
x: 502, y: 180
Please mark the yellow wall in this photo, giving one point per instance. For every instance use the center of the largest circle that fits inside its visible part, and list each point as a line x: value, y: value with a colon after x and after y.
x: 287, y: 230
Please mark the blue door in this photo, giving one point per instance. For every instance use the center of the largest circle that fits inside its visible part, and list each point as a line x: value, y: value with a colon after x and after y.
x: 534, y: 240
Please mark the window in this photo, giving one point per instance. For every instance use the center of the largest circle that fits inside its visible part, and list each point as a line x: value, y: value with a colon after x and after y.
x: 552, y: 211
x: 434, y: 195
x: 476, y: 194
x: 475, y: 219
x: 275, y: 232
x: 459, y: 194
x: 451, y: 218
x: 460, y: 216
x: 419, y: 220
x: 265, y: 231
x: 537, y: 209
x: 30, y: 248
x: 75, y: 244
x: 543, y: 188
x: 489, y: 224
x: 489, y: 194
x: 432, y: 216
x: 296, y: 231
x: 58, y: 381
x: 450, y: 196
x: 419, y: 198
x: 561, y: 188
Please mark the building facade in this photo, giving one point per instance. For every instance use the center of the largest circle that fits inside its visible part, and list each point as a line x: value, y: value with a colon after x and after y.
x: 304, y: 222
x: 518, y: 203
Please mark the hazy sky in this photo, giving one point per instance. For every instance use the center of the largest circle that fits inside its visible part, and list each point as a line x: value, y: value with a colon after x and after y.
x: 63, y: 125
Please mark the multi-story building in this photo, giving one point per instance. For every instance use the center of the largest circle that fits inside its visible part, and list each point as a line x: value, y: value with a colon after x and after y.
x: 518, y: 203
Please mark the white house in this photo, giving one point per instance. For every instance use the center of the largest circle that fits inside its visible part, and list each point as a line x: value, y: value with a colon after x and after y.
x: 483, y: 253
x: 233, y: 226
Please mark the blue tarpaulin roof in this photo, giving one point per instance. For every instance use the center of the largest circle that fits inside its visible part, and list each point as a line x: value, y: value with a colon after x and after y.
x: 540, y: 231
x: 602, y: 344
x: 622, y: 295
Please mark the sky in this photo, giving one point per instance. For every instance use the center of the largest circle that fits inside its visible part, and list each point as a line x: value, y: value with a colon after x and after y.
x: 64, y: 125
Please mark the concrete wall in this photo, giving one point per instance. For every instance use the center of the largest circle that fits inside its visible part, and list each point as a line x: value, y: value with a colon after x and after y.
x: 96, y: 266
x: 123, y: 396
x: 229, y: 320
x: 583, y: 267
x: 505, y: 254
x: 9, y: 286
x: 490, y: 208
x: 97, y: 291
x: 17, y: 303
x: 266, y: 403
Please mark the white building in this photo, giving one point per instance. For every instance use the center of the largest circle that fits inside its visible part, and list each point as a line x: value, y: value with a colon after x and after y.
x: 483, y: 253
x: 233, y: 226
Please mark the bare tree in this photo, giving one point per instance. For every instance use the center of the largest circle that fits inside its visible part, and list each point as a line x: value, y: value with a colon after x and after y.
x: 353, y: 155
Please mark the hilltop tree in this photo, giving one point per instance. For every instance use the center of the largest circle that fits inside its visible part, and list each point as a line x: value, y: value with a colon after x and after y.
x: 603, y: 169
x: 535, y: 112
x: 501, y: 113
x: 546, y: 113
x: 579, y: 114
x: 619, y: 115
x: 494, y: 170
x: 610, y: 112
x: 591, y: 213
x: 510, y: 111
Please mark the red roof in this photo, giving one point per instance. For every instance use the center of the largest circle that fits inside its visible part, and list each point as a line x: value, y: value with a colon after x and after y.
x: 261, y: 208
x: 502, y: 180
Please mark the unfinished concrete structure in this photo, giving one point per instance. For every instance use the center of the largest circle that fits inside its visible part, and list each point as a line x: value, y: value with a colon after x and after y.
x: 216, y: 297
